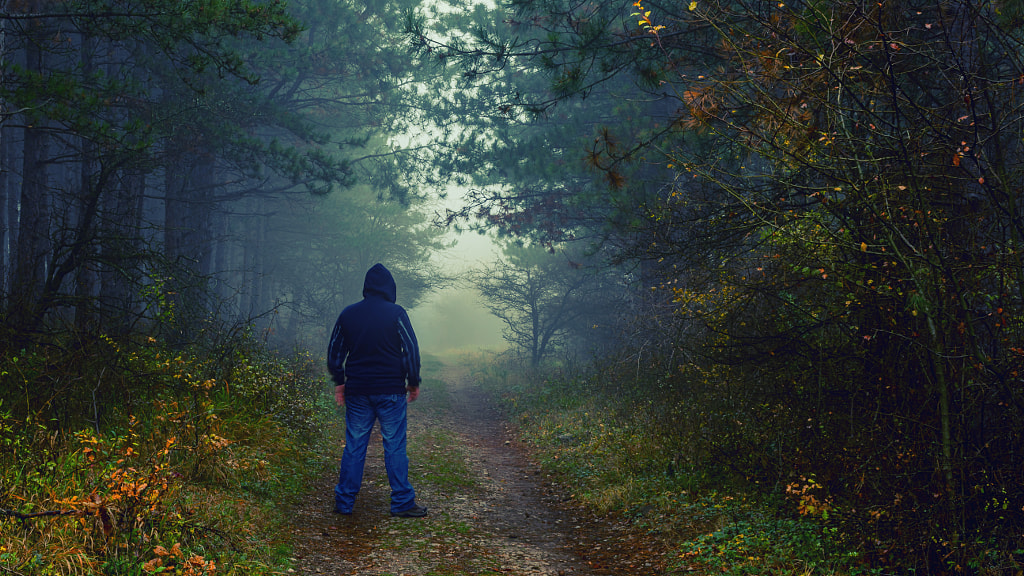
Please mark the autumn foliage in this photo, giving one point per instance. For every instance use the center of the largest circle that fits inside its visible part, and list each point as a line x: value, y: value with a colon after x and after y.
x: 869, y: 167
x: 825, y: 197
x: 174, y: 467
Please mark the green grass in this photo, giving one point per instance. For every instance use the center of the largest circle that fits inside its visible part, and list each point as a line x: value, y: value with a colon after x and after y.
x: 440, y: 461
x: 626, y: 451
x: 765, y: 545
x: 195, y: 477
x: 437, y: 456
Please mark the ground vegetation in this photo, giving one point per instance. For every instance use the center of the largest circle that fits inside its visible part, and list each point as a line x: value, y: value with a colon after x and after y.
x: 168, y: 460
x: 819, y: 205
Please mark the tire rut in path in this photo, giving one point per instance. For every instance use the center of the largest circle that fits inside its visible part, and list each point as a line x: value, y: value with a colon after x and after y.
x: 514, y: 520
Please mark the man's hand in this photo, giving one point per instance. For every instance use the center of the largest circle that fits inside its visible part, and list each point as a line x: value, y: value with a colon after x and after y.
x: 339, y: 395
x: 414, y: 393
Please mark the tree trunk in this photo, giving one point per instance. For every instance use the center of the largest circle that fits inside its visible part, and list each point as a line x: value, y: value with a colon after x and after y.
x: 4, y: 172
x: 7, y: 206
x: 119, y: 277
x: 252, y: 265
x: 86, y: 276
x: 201, y: 216
x: 188, y: 201
x: 34, y: 229
x: 33, y: 239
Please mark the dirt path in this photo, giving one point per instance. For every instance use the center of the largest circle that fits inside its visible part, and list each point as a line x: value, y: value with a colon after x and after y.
x: 491, y: 510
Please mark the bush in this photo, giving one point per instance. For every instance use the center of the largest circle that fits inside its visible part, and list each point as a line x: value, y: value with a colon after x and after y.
x: 672, y: 451
x: 184, y: 469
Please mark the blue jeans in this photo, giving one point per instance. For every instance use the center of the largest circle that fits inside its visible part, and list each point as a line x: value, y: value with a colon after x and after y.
x: 360, y: 414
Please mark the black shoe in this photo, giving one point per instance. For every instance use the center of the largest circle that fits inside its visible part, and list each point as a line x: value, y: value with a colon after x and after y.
x: 413, y: 512
x: 349, y: 513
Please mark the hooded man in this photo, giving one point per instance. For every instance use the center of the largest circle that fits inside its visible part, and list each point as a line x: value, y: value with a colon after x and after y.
x: 374, y: 360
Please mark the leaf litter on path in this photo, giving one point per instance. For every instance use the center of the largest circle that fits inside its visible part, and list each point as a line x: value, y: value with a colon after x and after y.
x: 499, y: 514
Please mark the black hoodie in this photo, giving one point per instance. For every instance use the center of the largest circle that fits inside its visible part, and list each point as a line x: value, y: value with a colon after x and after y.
x: 373, y: 349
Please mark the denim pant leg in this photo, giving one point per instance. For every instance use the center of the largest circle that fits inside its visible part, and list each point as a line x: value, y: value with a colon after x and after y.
x: 359, y: 418
x: 391, y: 411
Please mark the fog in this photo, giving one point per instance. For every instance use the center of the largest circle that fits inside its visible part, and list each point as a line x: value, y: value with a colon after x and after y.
x: 454, y: 319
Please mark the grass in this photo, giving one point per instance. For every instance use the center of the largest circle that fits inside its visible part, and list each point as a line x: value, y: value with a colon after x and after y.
x: 441, y: 461
x: 625, y: 450
x: 191, y: 481
x: 447, y: 543
x: 437, y: 455
x: 195, y: 480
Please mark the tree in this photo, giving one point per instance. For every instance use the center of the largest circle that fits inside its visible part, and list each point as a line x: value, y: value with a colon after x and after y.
x: 167, y: 119
x: 314, y: 256
x: 556, y: 151
x: 62, y: 84
x: 544, y: 298
x: 883, y: 229
x: 323, y: 116
x: 843, y: 226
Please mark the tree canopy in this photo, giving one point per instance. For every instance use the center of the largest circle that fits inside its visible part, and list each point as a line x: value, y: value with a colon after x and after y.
x: 825, y: 197
x: 144, y: 145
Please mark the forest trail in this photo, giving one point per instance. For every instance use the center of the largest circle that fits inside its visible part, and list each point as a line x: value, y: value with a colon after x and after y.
x: 492, y: 511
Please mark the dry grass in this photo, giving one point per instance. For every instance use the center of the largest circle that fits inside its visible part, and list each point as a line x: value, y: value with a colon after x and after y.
x: 191, y: 483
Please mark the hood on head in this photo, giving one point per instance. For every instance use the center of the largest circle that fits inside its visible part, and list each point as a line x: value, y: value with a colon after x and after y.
x: 380, y: 282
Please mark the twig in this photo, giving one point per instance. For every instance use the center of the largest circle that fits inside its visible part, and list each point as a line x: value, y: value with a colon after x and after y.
x: 10, y: 571
x: 29, y: 516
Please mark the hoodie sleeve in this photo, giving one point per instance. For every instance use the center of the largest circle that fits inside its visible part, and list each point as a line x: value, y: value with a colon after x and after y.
x: 410, y: 350
x: 337, y: 352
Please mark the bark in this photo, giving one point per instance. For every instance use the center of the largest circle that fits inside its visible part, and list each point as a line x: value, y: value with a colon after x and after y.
x: 187, y: 242
x: 86, y: 278
x: 252, y: 265
x: 4, y: 175
x: 7, y: 206
x: 119, y: 277
x: 33, y: 244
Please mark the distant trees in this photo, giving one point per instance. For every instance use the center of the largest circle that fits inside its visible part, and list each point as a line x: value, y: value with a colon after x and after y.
x: 315, y: 253
x: 79, y: 87
x: 548, y: 301
x: 141, y: 141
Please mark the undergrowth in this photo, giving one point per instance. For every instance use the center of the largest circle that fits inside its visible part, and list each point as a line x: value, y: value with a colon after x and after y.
x: 183, y: 464
x: 624, y: 448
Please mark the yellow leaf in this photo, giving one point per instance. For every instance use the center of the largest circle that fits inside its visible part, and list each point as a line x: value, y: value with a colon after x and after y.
x: 693, y: 6
x: 863, y: 246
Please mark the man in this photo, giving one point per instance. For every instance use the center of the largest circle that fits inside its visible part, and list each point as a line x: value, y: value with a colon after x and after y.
x: 374, y: 360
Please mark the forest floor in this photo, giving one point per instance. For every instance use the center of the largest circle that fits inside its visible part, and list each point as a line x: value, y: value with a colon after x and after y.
x: 491, y: 509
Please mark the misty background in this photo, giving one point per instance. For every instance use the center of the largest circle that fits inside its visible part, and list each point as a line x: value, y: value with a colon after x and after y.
x: 784, y: 238
x: 455, y: 319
